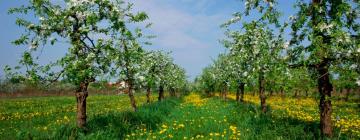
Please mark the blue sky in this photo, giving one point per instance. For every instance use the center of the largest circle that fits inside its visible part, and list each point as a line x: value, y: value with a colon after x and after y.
x: 188, y: 28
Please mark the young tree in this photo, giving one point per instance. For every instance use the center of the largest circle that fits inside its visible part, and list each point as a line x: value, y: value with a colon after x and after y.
x: 207, y: 81
x: 159, y: 66
x: 79, y: 22
x: 160, y: 71
x: 129, y: 65
x: 239, y: 66
x: 128, y: 57
x: 176, y: 80
x: 260, y: 49
x: 222, y: 72
x: 149, y: 63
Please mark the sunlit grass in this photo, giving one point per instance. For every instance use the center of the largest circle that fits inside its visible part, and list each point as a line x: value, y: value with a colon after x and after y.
x: 192, y: 117
x: 346, y: 116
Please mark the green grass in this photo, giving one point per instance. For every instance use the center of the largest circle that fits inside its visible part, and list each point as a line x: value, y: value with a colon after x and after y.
x: 110, y: 117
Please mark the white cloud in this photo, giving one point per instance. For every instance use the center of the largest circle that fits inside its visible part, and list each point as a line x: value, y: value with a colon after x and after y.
x: 192, y: 35
x: 177, y: 28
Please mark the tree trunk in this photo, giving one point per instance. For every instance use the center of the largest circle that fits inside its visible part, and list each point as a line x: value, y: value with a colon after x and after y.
x: 347, y: 94
x: 271, y: 92
x: 207, y: 92
x: 262, y: 91
x: 81, y: 95
x: 325, y: 88
x: 172, y: 92
x: 242, y: 91
x: 161, y: 93
x: 296, y: 93
x: 282, y: 91
x: 225, y: 91
x: 131, y: 96
x: 238, y: 93
x: 148, y: 94
x: 306, y: 93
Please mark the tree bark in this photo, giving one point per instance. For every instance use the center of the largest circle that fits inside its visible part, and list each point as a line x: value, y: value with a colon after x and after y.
x: 207, y: 92
x: 271, y: 92
x: 324, y: 86
x: 131, y: 95
x: 341, y: 91
x: 81, y: 95
x: 148, y: 94
x: 262, y: 91
x: 347, y: 94
x: 240, y: 92
x: 325, y: 89
x: 296, y: 93
x: 161, y: 93
x: 172, y: 92
x: 225, y: 91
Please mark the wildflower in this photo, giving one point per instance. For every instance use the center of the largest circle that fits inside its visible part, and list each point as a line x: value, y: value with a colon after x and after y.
x: 164, y: 126
x: 181, y: 125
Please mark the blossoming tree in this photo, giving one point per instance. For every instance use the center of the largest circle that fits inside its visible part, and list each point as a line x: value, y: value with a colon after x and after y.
x: 81, y: 23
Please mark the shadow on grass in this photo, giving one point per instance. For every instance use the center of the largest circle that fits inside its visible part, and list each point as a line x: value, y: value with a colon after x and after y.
x: 116, y: 125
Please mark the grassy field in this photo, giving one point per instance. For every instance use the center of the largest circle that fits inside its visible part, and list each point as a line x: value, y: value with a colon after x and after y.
x: 192, y: 117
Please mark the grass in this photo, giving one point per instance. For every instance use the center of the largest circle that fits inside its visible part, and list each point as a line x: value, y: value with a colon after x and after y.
x: 193, y: 117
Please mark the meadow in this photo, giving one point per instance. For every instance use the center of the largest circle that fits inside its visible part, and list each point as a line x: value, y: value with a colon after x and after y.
x: 189, y: 117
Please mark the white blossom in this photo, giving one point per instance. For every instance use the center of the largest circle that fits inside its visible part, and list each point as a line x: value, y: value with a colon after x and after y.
x: 353, y: 66
x: 286, y: 45
x: 245, y: 74
x: 358, y: 81
x: 337, y: 56
x: 33, y: 46
x: 141, y: 78
x: 348, y: 53
x: 75, y: 3
x: 247, y: 4
x: 325, y: 26
x: 271, y: 4
x: 291, y: 18
x: 30, y: 26
x: 90, y: 57
x: 235, y: 19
